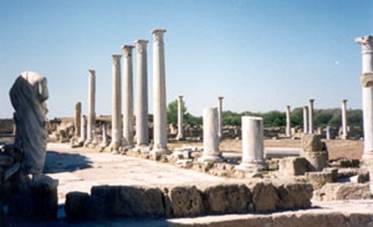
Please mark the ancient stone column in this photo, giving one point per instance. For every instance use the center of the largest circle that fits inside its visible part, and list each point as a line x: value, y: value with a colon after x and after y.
x: 310, y: 116
x: 104, y: 141
x: 91, y: 114
x: 211, y: 151
x: 366, y: 78
x: 128, y: 97
x: 83, y: 129
x: 305, y: 120
x: 159, y: 94
x: 252, y: 144
x: 344, y: 118
x: 327, y: 132
x: 141, y: 106
x: 180, y: 118
x: 220, y: 116
x: 116, y: 113
x: 78, y: 117
x: 288, y: 123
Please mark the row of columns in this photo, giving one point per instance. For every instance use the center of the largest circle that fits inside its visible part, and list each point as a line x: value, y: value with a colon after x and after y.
x: 308, y: 123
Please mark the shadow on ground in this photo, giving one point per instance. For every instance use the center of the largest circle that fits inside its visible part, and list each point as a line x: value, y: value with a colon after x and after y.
x: 57, y: 162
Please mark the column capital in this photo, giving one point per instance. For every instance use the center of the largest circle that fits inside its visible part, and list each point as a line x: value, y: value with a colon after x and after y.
x: 140, y: 45
x: 92, y: 71
x: 221, y: 97
x: 158, y: 35
x: 288, y: 107
x: 180, y: 97
x: 344, y: 101
x: 366, y: 43
x: 312, y: 100
x: 127, y: 49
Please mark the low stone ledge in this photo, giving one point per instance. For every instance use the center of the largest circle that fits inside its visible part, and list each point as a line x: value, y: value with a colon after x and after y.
x: 227, y: 199
x: 187, y: 201
x: 342, y: 191
x: 319, y: 179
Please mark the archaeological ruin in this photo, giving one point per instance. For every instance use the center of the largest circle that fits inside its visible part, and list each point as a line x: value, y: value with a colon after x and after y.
x: 137, y: 166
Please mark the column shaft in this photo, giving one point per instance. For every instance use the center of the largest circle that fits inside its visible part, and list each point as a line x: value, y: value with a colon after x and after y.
x: 252, y: 144
x: 288, y: 123
x: 305, y: 120
x: 211, y: 151
x: 78, y: 117
x: 141, y: 107
x: 116, y: 113
x: 159, y: 93
x: 180, y: 118
x: 128, y: 97
x: 91, y: 114
x: 310, y: 117
x: 220, y: 116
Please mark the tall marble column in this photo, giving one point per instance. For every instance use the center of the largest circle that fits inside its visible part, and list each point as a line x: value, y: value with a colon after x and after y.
x: 116, y: 113
x: 91, y: 114
x: 78, y: 117
x: 180, y: 118
x: 159, y: 94
x: 288, y: 122
x: 305, y: 120
x: 128, y: 97
x: 104, y: 141
x: 310, y: 116
x: 220, y: 116
x: 211, y: 151
x: 327, y: 132
x: 344, y: 118
x: 366, y: 78
x: 83, y: 129
x: 252, y: 144
x: 141, y: 101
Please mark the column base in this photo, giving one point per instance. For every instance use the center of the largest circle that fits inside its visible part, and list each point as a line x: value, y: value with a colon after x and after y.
x: 114, y: 147
x: 179, y: 137
x: 142, y: 148
x: 251, y: 167
x: 159, y: 151
x: 210, y: 159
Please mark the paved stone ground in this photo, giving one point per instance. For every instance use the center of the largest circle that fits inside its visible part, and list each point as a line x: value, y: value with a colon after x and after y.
x: 80, y: 169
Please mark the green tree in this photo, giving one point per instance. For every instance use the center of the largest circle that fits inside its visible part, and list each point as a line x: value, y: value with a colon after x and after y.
x: 172, y: 112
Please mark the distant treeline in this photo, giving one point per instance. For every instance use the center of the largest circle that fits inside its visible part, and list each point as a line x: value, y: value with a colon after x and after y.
x: 322, y: 117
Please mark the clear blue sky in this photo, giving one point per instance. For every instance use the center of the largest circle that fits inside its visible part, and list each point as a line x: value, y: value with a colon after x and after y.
x: 260, y: 55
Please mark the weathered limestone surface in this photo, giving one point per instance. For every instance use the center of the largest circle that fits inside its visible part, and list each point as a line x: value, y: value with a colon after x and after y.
x: 288, y: 122
x: 116, y: 112
x: 211, y: 151
x: 310, y: 116
x: 293, y: 195
x: 252, y: 144
x: 315, y: 152
x: 366, y: 78
x: 91, y: 111
x: 220, y: 116
x: 159, y: 94
x: 141, y: 106
x: 83, y: 129
x: 76, y: 206
x: 343, y: 191
x: 180, y: 117
x: 293, y: 166
x: 264, y: 197
x: 319, y: 179
x: 225, y: 199
x: 128, y: 130
x: 28, y: 96
x: 305, y: 120
x: 78, y: 117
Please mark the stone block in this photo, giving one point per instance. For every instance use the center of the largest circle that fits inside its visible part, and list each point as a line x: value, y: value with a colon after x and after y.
x: 184, y: 163
x: 312, y: 142
x: 294, y: 195
x: 309, y: 220
x: 293, y: 166
x: 227, y: 198
x: 126, y: 201
x: 318, y: 160
x: 342, y: 191
x: 76, y: 206
x: 319, y: 179
x: 264, y: 197
x: 184, y: 201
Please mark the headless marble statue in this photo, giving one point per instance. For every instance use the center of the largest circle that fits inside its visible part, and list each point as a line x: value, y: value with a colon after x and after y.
x: 28, y: 96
